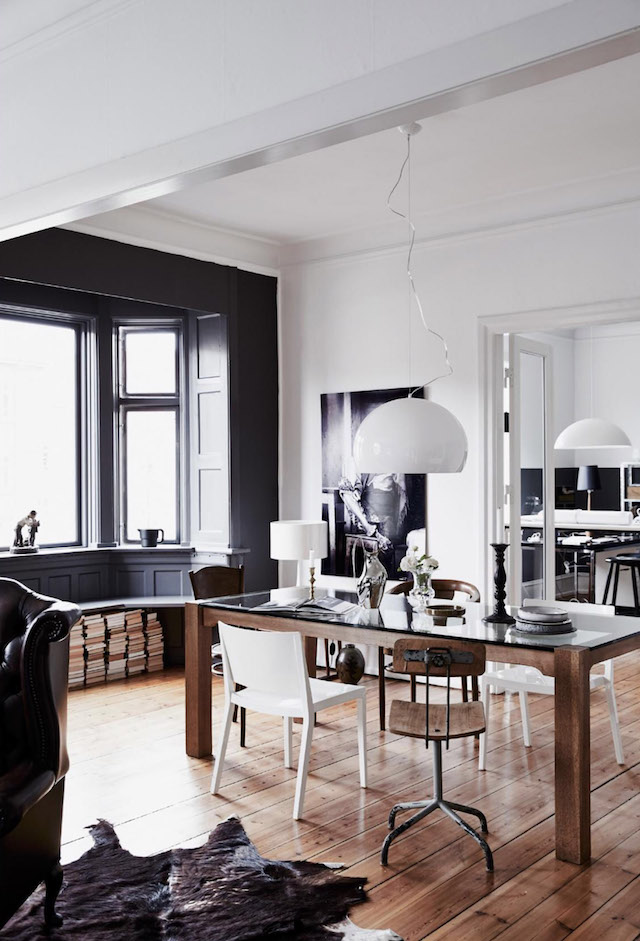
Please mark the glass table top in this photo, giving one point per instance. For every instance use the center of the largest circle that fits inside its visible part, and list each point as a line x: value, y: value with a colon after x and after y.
x: 396, y: 614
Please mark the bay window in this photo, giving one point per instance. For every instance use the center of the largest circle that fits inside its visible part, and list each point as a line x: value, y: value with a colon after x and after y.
x: 40, y: 403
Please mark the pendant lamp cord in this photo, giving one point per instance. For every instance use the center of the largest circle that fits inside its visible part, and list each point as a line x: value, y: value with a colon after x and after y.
x: 412, y: 228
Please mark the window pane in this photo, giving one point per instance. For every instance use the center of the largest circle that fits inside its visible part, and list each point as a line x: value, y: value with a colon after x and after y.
x: 150, y: 362
x: 150, y: 474
x: 38, y: 424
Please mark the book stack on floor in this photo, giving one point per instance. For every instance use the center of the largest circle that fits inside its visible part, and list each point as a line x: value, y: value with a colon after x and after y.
x: 116, y: 645
x: 155, y: 643
x: 95, y: 648
x: 76, y: 655
x: 136, y: 657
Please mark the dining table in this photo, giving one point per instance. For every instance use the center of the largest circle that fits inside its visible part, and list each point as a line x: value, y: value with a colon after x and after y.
x: 567, y: 657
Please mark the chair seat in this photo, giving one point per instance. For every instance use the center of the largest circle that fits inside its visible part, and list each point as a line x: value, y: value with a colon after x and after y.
x: 409, y: 718
x: 323, y: 695
x: 531, y: 680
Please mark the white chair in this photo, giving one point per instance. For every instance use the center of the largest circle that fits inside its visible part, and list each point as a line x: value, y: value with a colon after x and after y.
x: 524, y: 680
x: 272, y: 669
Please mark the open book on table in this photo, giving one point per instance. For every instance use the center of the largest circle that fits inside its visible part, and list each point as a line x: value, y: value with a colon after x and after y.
x: 317, y: 605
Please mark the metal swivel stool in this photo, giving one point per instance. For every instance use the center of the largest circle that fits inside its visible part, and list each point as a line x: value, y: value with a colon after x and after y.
x: 616, y: 563
x: 437, y: 723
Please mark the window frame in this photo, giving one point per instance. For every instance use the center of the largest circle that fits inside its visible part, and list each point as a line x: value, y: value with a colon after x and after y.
x: 150, y: 402
x: 84, y: 329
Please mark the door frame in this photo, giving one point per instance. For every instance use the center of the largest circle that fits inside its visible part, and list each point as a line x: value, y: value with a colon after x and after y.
x: 517, y: 345
x: 491, y: 402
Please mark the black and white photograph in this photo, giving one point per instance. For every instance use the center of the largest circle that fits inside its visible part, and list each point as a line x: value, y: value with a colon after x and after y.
x: 364, y: 511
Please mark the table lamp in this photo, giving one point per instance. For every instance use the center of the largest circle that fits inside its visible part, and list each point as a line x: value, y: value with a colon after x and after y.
x: 297, y: 541
x: 589, y: 480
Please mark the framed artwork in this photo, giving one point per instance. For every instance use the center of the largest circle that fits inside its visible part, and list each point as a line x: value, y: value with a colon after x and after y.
x: 364, y: 510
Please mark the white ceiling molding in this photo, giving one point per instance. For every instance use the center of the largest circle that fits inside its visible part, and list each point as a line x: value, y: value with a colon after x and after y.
x: 378, y: 242
x: 168, y: 232
x: 561, y: 41
x: 87, y: 14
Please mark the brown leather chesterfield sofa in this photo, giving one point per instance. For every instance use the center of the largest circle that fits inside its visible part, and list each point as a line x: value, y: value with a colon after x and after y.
x: 34, y: 667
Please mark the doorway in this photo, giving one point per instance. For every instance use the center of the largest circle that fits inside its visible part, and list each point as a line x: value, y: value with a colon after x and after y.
x: 563, y: 513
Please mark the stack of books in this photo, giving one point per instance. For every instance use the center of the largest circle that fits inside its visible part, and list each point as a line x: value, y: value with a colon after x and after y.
x: 136, y: 658
x: 116, y: 645
x: 76, y: 655
x: 95, y: 648
x: 155, y: 643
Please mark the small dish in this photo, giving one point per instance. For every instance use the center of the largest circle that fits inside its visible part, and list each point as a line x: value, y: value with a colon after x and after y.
x: 445, y: 610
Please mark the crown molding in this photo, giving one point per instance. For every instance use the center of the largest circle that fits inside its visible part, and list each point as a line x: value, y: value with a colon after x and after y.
x: 90, y: 15
x: 516, y: 213
x: 148, y: 227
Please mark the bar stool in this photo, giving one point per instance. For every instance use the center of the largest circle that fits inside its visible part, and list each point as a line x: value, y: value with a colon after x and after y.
x: 616, y: 562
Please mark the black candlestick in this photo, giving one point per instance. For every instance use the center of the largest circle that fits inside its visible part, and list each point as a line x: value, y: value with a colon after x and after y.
x: 499, y: 615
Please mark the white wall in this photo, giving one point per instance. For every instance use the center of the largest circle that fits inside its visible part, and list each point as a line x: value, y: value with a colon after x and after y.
x: 607, y: 362
x: 344, y: 325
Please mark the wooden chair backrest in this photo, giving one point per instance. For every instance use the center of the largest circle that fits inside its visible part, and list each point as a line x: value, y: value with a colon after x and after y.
x: 444, y: 588
x: 217, y: 581
x: 473, y: 667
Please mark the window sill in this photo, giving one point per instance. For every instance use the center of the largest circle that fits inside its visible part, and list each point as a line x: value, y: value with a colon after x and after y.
x: 167, y: 549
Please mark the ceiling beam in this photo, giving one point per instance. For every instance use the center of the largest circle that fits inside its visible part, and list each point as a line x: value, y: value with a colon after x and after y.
x: 559, y: 42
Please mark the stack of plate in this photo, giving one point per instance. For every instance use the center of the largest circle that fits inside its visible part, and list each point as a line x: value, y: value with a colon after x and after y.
x: 543, y: 620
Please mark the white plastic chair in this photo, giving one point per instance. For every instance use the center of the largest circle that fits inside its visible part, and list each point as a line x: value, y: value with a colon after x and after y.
x: 272, y: 669
x: 524, y: 680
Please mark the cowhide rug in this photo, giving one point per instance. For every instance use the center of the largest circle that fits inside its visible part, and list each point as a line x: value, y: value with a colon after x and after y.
x: 222, y: 891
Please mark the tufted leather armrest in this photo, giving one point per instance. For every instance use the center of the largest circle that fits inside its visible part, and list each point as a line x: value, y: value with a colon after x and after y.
x: 34, y: 667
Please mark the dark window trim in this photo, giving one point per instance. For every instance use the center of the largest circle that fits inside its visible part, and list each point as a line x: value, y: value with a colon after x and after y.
x: 123, y: 403
x: 83, y: 328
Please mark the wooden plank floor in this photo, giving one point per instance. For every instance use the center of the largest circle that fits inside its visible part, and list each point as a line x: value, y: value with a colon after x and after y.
x: 129, y: 767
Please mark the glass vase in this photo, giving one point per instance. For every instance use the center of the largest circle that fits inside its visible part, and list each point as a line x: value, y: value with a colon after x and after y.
x: 422, y: 593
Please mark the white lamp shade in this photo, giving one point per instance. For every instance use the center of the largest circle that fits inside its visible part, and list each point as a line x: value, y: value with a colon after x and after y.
x: 592, y: 433
x: 410, y: 436
x: 297, y: 539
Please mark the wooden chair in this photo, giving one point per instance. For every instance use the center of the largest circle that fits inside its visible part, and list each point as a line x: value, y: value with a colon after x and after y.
x: 266, y: 671
x: 444, y: 588
x: 218, y: 581
x: 437, y: 723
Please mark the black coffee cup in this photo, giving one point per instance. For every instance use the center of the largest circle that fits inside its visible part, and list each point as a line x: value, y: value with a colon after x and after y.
x: 149, y: 537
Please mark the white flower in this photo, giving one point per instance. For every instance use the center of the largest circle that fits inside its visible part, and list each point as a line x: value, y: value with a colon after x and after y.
x: 409, y: 563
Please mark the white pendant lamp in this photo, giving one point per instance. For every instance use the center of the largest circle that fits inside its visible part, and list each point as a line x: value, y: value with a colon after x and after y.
x: 411, y: 435
x: 592, y: 433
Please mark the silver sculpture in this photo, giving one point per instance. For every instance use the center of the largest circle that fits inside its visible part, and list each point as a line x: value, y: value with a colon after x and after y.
x: 26, y: 544
x: 372, y: 579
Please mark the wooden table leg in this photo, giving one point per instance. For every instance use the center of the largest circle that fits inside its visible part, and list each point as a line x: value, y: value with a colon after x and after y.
x: 197, y: 675
x: 310, y: 653
x: 573, y: 753
x: 311, y: 656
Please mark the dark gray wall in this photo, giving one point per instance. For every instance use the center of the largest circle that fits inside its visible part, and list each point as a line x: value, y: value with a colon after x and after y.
x: 70, y: 272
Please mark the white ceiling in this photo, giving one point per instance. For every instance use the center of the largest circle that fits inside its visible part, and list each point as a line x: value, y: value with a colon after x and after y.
x: 580, y: 128
x: 21, y: 19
